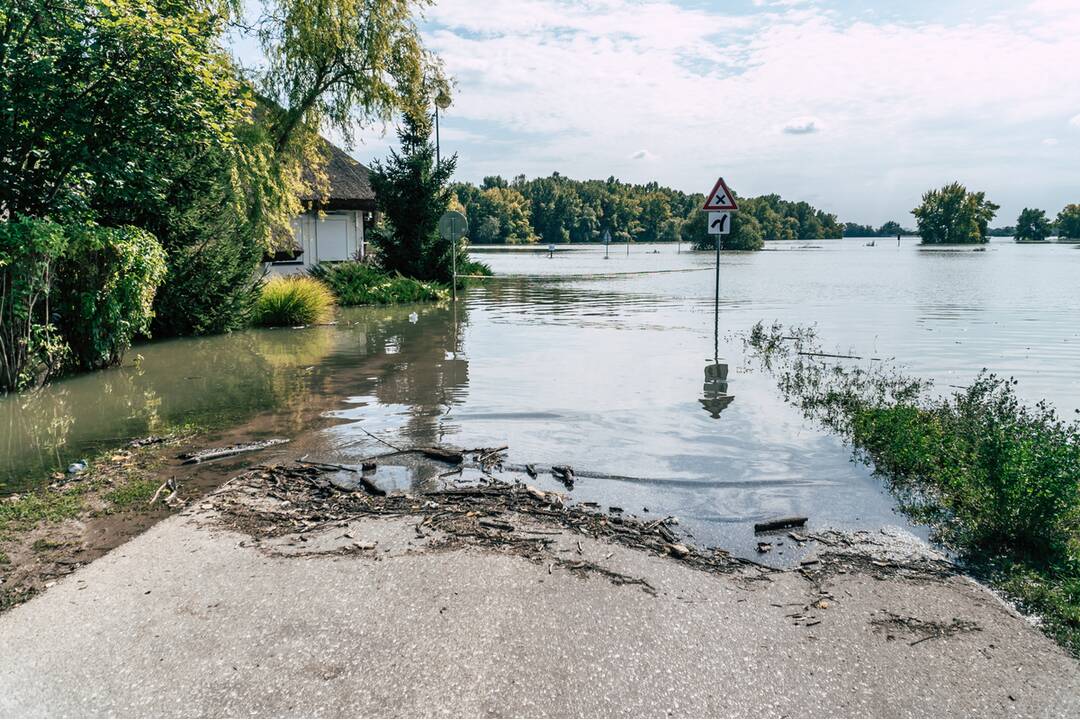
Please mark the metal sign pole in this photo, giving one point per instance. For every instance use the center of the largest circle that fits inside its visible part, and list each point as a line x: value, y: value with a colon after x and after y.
x: 716, y: 305
x: 453, y: 226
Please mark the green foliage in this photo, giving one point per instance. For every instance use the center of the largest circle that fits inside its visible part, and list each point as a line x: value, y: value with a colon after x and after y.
x: 998, y: 481
x: 954, y: 215
x: 502, y: 216
x: 293, y: 300
x: 888, y: 229
x: 558, y: 210
x: 411, y: 190
x: 1032, y: 226
x: 72, y: 297
x: 745, y: 233
x: 31, y: 350
x: 129, y: 112
x: 339, y: 63
x: 134, y: 494
x: 1068, y: 222
x: 355, y: 283
x: 45, y: 506
x: 104, y: 290
x: 98, y: 94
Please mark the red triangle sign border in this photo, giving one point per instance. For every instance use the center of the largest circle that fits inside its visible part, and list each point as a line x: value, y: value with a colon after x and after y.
x: 727, y: 192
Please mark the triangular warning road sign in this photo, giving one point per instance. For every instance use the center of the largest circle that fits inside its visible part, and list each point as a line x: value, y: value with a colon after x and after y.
x: 721, y: 198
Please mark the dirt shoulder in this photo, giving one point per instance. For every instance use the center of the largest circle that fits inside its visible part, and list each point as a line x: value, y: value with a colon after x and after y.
x: 287, y: 591
x: 78, y: 517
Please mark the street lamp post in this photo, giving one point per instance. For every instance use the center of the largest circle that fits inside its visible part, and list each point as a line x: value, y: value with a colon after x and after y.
x: 442, y: 101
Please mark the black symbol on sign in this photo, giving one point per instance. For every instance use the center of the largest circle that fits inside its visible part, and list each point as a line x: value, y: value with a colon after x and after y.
x: 721, y: 221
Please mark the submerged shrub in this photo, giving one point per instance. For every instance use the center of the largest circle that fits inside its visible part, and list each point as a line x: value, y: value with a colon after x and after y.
x: 997, y: 480
x: 472, y: 267
x: 355, y: 283
x: 293, y: 300
x: 30, y: 348
x: 105, y: 289
x: 71, y: 296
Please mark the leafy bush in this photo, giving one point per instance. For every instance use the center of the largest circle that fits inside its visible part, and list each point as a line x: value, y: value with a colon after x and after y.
x: 293, y: 300
x: 71, y: 296
x: 31, y: 350
x: 355, y: 283
x: 105, y: 287
x: 998, y: 481
x: 474, y: 268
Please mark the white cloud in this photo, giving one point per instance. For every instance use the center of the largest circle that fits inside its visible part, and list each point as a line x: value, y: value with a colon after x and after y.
x: 1050, y: 141
x: 1075, y: 121
x: 642, y: 155
x: 802, y: 126
x: 908, y: 105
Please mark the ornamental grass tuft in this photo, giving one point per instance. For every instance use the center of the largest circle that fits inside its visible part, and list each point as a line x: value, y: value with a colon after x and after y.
x: 295, y: 300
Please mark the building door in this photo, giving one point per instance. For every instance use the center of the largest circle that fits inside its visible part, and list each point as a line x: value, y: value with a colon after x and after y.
x: 332, y: 238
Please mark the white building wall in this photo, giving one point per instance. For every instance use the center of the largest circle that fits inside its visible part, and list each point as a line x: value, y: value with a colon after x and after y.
x: 335, y: 236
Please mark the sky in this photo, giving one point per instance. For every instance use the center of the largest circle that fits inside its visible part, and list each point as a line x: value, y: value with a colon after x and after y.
x: 855, y: 106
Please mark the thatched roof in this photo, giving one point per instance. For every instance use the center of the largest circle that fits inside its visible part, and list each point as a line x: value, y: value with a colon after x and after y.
x: 350, y: 186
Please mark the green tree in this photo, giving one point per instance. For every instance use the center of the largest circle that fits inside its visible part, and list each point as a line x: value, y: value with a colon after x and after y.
x: 694, y: 230
x: 655, y: 212
x: 98, y: 96
x: 129, y: 112
x: 745, y: 232
x: 856, y: 230
x: 337, y: 63
x: 412, y: 191
x: 954, y: 215
x: 1032, y: 226
x: 503, y: 217
x: 890, y: 228
x: 1068, y: 222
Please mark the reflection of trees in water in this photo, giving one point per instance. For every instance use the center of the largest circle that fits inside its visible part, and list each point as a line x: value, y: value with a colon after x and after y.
x: 425, y: 367
x: 227, y: 380
x: 215, y: 380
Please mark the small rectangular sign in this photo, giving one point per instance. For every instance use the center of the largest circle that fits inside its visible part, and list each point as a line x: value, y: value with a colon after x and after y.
x: 719, y: 223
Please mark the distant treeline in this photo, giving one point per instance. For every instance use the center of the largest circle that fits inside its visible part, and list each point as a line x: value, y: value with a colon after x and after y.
x: 558, y: 209
x: 889, y: 229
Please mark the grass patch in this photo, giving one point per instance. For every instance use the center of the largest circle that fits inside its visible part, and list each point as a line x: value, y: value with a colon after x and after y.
x: 45, y: 506
x: 293, y: 300
x: 997, y: 481
x: 42, y: 545
x: 355, y: 283
x: 131, y: 494
x: 11, y: 598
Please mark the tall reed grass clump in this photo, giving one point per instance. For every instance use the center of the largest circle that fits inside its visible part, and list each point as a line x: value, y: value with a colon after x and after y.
x: 293, y: 300
x: 997, y: 480
x: 356, y: 283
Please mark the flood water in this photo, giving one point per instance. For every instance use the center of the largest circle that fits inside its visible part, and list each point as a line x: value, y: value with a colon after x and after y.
x: 606, y: 365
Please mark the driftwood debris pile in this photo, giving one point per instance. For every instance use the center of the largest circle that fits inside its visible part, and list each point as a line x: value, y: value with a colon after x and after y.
x: 202, y: 456
x: 277, y: 500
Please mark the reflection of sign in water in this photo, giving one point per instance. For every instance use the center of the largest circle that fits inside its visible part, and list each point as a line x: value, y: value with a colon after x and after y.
x: 715, y: 390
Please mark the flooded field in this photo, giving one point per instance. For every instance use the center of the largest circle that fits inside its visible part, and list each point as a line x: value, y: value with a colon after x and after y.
x: 605, y: 365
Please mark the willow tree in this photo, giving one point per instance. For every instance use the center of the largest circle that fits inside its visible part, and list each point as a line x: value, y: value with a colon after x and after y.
x: 335, y: 65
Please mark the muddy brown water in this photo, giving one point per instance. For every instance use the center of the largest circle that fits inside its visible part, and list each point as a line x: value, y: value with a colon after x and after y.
x: 605, y: 365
